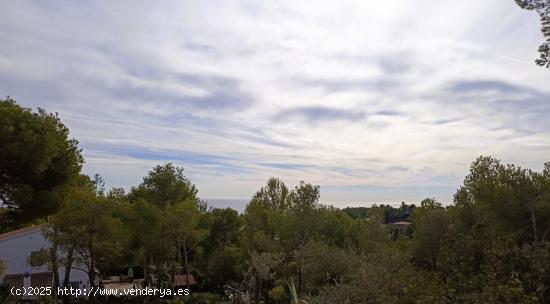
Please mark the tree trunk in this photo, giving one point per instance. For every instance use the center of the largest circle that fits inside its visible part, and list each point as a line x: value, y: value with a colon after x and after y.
x: 534, y: 222
x: 68, y: 267
x: 186, y: 265
x: 145, y: 270
x: 55, y: 270
x: 300, y: 281
x: 91, y: 270
x: 67, y: 276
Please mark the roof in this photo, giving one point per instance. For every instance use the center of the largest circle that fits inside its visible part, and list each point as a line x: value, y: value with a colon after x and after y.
x: 179, y: 280
x: 38, y: 279
x: 19, y: 232
x: 401, y: 223
x: 42, y: 279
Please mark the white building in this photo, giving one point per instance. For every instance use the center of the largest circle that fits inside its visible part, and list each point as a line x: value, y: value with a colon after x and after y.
x: 16, y: 247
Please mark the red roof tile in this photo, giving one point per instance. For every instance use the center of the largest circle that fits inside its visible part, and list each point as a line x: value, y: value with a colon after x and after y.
x: 179, y: 280
x: 38, y: 279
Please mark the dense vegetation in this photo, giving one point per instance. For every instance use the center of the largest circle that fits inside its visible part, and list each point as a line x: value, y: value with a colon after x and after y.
x: 490, y: 246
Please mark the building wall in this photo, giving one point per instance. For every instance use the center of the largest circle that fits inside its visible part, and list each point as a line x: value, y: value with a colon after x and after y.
x: 15, y: 250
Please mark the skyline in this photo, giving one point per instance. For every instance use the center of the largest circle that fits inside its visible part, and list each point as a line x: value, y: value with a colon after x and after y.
x: 373, y: 102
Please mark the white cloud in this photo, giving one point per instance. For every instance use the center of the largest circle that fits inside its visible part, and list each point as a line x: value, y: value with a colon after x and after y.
x: 142, y: 83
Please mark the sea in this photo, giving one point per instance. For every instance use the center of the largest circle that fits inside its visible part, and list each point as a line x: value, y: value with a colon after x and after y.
x: 239, y: 204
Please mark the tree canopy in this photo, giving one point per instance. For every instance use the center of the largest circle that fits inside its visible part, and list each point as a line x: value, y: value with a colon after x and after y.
x: 37, y: 159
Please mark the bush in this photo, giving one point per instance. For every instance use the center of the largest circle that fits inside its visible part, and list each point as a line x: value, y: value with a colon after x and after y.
x: 277, y: 293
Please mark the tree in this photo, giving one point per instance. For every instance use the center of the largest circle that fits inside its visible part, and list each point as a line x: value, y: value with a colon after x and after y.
x: 273, y: 195
x: 165, y: 184
x: 165, y: 221
x: 384, y: 276
x: 304, y: 197
x: 260, y: 216
x: 261, y: 273
x: 221, y: 260
x: 494, y: 248
x: 183, y: 230
x: 430, y: 224
x: 507, y: 199
x: 147, y: 232
x: 543, y: 9
x: 89, y: 225
x: 325, y: 265
x: 37, y: 159
x: 224, y: 227
x: 357, y: 212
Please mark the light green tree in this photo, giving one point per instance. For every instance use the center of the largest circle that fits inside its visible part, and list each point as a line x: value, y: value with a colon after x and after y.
x: 183, y: 222
x: 89, y: 225
x: 165, y: 222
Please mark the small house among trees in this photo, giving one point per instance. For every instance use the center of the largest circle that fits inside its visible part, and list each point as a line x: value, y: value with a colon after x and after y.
x: 26, y: 256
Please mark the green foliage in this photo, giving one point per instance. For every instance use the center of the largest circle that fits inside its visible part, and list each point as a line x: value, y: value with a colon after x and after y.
x: 304, y: 197
x: 497, y: 235
x: 357, y: 212
x: 260, y: 216
x: 384, y: 213
x: 198, y: 298
x: 430, y: 223
x: 224, y: 228
x: 164, y: 185
x: 90, y: 224
x: 49, y: 300
x: 507, y: 199
x: 273, y: 196
x: 294, y: 299
x: 277, y: 293
x: 543, y: 8
x: 38, y: 257
x: 325, y: 265
x: 390, y: 214
x: 37, y: 160
x: 384, y: 276
x: 221, y: 260
x: 164, y: 219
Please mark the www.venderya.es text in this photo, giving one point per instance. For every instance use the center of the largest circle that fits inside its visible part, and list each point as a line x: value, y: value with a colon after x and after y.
x: 96, y: 291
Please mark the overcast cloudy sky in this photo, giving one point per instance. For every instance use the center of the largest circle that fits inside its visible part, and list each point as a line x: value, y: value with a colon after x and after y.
x: 372, y: 100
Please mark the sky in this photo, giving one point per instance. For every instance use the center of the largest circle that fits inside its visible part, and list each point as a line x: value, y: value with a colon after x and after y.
x: 375, y: 101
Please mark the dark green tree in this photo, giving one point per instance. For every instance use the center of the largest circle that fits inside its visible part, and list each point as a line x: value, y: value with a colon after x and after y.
x: 430, y: 222
x: 37, y: 160
x: 221, y: 260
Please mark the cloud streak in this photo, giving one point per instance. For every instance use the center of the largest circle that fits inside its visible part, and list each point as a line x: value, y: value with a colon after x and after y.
x: 373, y: 101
